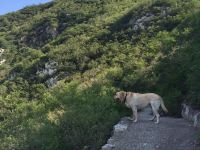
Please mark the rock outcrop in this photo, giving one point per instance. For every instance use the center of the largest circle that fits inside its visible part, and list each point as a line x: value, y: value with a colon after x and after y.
x: 2, y: 61
x: 142, y: 20
x: 52, y: 81
x: 1, y: 51
x: 139, y: 23
x: 49, y: 70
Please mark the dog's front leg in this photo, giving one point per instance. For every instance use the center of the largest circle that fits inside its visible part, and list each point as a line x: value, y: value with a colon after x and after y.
x: 134, y: 109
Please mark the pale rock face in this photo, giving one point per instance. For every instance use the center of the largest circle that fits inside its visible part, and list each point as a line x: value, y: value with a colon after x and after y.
x: 139, y: 23
x: 1, y: 51
x: 52, y: 81
x: 49, y: 69
x: 2, y: 61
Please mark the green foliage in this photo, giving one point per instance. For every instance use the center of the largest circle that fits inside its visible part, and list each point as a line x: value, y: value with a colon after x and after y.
x: 3, y: 43
x: 65, y: 115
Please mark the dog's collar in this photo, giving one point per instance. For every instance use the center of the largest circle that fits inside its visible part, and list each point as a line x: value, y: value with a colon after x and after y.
x: 125, y: 97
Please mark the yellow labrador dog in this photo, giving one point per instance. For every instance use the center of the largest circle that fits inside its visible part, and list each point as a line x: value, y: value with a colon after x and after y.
x: 137, y: 101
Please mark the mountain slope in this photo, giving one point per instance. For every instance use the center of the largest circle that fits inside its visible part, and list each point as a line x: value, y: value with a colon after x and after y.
x: 66, y: 59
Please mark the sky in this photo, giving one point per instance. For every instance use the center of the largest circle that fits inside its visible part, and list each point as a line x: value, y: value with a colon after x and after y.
x: 7, y: 6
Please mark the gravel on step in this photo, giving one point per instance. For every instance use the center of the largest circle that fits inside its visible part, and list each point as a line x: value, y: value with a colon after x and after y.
x: 169, y: 134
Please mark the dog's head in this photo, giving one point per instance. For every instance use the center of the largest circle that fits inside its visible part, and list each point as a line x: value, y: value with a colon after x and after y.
x: 120, y: 96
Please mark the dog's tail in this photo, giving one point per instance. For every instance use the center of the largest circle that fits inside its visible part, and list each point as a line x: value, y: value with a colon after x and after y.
x: 163, y: 106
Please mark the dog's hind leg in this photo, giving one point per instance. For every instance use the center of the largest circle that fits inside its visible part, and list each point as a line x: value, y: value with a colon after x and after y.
x: 155, y: 106
x: 157, y: 115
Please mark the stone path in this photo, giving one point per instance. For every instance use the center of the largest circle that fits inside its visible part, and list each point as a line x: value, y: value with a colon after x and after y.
x: 169, y: 134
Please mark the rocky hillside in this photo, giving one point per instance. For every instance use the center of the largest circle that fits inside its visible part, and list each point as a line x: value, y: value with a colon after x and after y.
x: 61, y: 63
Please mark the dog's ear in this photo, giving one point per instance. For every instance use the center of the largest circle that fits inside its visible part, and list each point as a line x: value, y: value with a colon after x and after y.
x: 122, y: 95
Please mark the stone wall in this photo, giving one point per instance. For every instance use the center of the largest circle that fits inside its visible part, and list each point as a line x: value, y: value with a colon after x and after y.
x: 191, y: 114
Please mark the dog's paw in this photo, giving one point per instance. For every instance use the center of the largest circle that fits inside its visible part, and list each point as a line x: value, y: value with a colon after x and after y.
x: 129, y: 118
x: 134, y: 121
